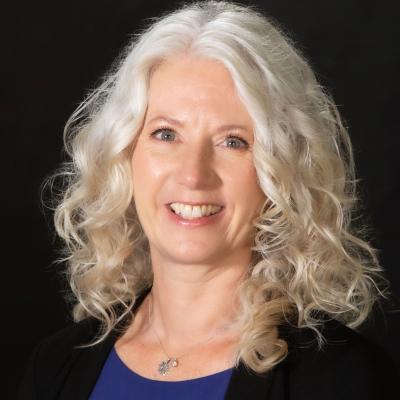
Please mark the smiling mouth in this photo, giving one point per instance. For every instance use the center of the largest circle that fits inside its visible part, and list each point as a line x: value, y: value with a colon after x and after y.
x: 191, y: 213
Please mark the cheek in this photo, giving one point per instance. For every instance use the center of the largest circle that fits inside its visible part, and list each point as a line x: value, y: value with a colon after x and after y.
x: 246, y: 174
x: 149, y: 160
x: 249, y: 190
x: 143, y: 188
x: 140, y: 171
x: 148, y: 171
x: 136, y: 167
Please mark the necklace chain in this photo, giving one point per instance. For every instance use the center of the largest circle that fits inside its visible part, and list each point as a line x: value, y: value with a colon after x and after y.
x: 165, y: 365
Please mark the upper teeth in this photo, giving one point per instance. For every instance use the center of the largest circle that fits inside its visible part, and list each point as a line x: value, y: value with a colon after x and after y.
x: 190, y: 212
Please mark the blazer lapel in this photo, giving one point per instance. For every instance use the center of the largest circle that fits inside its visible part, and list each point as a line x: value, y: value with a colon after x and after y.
x: 86, y: 370
x: 87, y: 365
x: 245, y: 384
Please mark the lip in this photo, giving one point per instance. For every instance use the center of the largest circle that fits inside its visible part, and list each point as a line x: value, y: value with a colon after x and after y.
x: 196, y: 222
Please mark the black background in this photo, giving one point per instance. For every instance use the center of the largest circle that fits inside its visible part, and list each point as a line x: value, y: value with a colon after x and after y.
x: 55, y: 51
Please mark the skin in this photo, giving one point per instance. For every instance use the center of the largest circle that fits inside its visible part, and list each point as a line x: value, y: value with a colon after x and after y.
x: 196, y: 270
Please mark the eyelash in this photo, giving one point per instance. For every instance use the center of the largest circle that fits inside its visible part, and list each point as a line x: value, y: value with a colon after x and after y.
x: 246, y: 145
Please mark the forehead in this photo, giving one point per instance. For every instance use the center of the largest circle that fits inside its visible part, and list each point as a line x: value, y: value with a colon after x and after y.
x: 182, y: 84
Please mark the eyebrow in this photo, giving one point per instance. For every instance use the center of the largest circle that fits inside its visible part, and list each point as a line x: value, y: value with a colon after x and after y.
x: 173, y: 121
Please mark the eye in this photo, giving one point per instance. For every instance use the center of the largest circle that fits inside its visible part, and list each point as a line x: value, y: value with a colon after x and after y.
x: 167, y: 134
x: 237, y: 140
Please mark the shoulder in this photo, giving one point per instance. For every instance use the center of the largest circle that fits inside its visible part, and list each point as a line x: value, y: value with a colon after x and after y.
x: 53, y: 356
x: 347, y: 366
x: 65, y: 342
x: 61, y: 357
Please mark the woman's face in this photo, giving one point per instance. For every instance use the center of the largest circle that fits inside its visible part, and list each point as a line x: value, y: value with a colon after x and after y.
x: 184, y: 155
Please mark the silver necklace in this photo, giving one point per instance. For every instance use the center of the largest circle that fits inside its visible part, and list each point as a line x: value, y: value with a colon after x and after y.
x: 165, y: 365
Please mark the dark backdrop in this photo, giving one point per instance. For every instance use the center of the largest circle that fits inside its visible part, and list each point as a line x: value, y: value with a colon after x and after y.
x: 55, y: 51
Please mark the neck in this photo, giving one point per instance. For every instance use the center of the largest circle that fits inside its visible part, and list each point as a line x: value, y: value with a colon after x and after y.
x: 191, y: 303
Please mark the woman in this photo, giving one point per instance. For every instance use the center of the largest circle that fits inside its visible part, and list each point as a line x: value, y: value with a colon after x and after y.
x: 206, y: 216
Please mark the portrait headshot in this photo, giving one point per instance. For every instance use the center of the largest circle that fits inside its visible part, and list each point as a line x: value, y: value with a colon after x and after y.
x: 210, y: 235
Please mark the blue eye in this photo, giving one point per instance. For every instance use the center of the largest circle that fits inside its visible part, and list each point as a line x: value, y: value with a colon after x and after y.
x: 238, y: 142
x: 162, y: 130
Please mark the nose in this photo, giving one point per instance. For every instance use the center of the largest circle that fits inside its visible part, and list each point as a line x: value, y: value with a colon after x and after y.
x: 196, y: 167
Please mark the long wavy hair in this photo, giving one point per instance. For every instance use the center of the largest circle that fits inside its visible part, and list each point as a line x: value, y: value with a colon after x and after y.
x: 308, y: 256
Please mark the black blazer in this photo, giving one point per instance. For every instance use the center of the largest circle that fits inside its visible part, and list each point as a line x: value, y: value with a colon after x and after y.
x: 349, y: 367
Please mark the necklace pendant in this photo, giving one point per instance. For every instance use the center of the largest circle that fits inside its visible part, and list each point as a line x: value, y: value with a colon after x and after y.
x: 174, y: 362
x: 163, y: 367
x: 166, y: 365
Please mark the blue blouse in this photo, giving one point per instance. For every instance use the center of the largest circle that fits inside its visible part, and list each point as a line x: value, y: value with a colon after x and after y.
x: 118, y: 382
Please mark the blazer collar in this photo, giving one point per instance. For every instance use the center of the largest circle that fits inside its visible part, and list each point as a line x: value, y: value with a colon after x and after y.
x: 244, y: 383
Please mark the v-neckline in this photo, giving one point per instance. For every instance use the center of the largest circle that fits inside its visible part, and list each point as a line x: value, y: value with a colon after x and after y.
x: 243, y: 383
